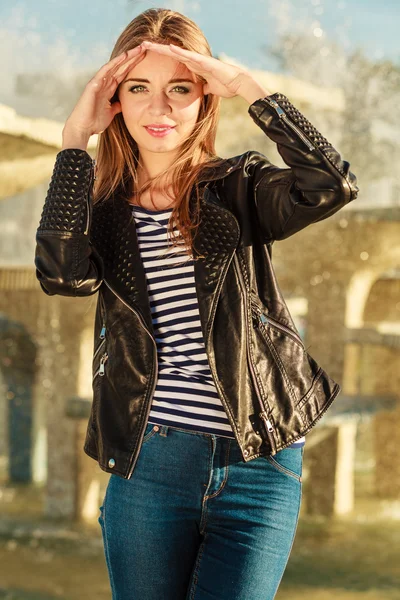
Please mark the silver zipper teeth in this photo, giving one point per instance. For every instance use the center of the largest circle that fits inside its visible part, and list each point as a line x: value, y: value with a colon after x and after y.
x: 87, y: 197
x: 98, y: 349
x: 284, y: 116
x: 263, y: 414
x: 155, y: 378
x: 278, y: 325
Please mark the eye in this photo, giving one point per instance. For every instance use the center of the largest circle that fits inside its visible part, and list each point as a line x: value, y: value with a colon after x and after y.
x: 185, y: 90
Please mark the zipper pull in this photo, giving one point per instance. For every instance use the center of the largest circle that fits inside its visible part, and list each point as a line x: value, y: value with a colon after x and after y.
x: 278, y: 109
x: 263, y: 416
x: 270, y: 429
x: 102, y: 361
x: 103, y: 332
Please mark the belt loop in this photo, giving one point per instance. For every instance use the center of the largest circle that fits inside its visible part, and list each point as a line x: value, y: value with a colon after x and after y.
x: 164, y: 430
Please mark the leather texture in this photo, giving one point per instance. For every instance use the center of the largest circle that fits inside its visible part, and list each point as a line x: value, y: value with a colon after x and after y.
x: 273, y: 391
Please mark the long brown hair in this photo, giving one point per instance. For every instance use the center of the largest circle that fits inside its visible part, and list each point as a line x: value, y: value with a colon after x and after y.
x: 117, y: 152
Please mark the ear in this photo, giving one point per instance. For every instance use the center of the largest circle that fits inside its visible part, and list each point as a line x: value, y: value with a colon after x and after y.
x: 116, y: 108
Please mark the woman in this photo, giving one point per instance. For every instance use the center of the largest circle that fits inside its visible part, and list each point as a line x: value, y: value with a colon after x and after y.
x: 202, y: 388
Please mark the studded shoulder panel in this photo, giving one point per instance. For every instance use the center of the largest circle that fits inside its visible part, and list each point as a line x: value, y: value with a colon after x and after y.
x: 66, y: 208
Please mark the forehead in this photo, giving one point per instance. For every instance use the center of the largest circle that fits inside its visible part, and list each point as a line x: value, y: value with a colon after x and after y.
x: 158, y: 68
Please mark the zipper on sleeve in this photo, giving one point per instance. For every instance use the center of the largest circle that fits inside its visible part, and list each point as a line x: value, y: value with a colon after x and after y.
x: 283, y: 115
x: 88, y: 206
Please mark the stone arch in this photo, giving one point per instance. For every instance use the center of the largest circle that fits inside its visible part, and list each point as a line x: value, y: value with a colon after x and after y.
x: 17, y: 360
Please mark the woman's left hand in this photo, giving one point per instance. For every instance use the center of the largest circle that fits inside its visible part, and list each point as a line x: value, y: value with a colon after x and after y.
x: 222, y: 79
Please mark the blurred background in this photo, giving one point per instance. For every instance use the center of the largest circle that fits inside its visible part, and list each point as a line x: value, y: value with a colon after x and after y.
x: 338, y: 62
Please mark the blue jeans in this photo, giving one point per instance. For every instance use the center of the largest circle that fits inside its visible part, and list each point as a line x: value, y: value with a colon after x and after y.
x: 195, y: 522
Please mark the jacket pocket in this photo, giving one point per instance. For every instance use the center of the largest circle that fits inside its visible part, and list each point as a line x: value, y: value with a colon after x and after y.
x: 265, y: 321
x: 294, y: 370
x: 288, y: 461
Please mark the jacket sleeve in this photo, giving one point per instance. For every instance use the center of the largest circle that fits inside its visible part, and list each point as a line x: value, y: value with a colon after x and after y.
x: 66, y: 262
x: 317, y: 183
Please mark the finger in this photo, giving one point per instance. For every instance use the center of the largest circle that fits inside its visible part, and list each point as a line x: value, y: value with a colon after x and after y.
x: 194, y: 61
x: 111, y: 78
x: 112, y: 82
x: 117, y: 61
x: 131, y: 58
x: 170, y: 48
x: 121, y: 74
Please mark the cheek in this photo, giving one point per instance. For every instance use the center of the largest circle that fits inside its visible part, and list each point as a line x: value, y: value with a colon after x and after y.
x: 190, y: 112
x: 130, y: 113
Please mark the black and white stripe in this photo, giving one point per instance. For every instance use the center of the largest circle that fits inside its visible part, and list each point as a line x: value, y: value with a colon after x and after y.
x: 185, y: 395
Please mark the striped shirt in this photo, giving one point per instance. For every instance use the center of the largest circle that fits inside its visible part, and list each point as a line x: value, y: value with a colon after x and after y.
x: 185, y: 395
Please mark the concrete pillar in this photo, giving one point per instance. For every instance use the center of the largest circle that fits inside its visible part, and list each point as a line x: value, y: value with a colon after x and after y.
x: 320, y: 490
x: 344, y: 470
x: 90, y: 479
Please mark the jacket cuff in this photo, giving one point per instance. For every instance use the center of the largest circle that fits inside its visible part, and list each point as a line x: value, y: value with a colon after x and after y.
x: 279, y: 108
x: 67, y: 207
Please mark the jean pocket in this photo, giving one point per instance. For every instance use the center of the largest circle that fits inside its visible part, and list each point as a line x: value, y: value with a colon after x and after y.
x: 289, y: 461
x: 150, y: 431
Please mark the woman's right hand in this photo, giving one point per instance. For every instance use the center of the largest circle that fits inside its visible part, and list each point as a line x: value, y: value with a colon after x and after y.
x: 94, y: 112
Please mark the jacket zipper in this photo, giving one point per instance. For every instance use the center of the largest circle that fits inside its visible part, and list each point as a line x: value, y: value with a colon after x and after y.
x: 207, y: 341
x: 103, y: 327
x: 101, y: 370
x: 92, y: 178
x: 103, y: 316
x: 135, y: 457
x: 264, y: 318
x: 263, y: 414
x: 98, y: 349
x: 284, y: 116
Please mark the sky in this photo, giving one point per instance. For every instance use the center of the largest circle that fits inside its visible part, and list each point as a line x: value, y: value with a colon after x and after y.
x: 65, y: 36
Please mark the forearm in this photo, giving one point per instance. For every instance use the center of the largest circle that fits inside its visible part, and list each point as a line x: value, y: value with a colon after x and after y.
x: 318, y: 181
x: 72, y: 139
x: 251, y: 90
x: 66, y: 263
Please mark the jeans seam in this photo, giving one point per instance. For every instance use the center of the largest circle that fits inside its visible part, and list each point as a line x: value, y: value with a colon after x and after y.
x: 293, y: 537
x: 107, y: 552
x: 203, y: 518
x: 221, y: 487
x: 196, y: 569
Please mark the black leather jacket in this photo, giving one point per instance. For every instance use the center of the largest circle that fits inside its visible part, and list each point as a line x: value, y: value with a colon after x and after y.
x: 273, y: 391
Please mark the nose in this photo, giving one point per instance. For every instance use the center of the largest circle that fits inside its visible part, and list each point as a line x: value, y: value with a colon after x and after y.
x: 159, y: 105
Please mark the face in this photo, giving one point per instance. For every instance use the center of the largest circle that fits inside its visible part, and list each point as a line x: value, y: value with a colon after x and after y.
x: 159, y: 101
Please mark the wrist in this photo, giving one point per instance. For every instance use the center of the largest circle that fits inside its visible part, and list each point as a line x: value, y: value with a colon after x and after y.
x: 251, y: 90
x: 73, y: 138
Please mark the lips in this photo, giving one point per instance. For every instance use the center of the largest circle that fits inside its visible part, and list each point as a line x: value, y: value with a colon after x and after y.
x: 159, y: 130
x: 158, y: 127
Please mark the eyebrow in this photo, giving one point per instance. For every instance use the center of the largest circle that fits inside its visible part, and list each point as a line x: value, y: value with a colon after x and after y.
x: 171, y: 81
